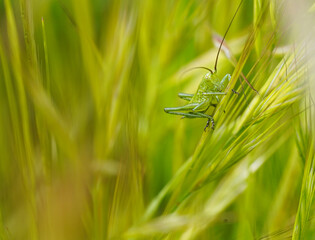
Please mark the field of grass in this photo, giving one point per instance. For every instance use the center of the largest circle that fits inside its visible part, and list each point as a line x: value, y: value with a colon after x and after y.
x: 87, y: 151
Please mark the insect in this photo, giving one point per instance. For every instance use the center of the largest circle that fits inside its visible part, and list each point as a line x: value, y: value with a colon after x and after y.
x: 209, y: 91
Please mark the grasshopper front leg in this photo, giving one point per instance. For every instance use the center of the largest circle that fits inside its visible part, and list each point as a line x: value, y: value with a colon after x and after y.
x: 225, y: 80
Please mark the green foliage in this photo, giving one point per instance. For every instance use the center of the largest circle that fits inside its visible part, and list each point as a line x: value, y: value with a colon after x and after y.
x: 89, y: 153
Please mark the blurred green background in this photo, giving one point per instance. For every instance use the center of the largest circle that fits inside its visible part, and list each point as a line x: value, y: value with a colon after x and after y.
x: 87, y: 151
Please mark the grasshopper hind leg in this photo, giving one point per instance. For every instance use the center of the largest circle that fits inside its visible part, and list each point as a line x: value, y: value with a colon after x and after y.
x: 190, y: 113
x: 196, y: 115
x: 208, y: 123
x: 210, y: 119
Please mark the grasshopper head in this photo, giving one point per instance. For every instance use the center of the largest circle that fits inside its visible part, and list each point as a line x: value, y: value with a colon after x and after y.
x: 212, y: 79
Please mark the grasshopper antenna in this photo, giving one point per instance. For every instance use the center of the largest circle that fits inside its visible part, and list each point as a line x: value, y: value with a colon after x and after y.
x: 189, y: 69
x: 193, y: 68
x: 216, y: 60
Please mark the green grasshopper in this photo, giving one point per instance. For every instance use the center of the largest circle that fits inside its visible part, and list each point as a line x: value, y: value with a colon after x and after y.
x: 208, y: 94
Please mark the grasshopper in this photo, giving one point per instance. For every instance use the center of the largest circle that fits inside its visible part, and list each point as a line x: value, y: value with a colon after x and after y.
x: 209, y: 91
